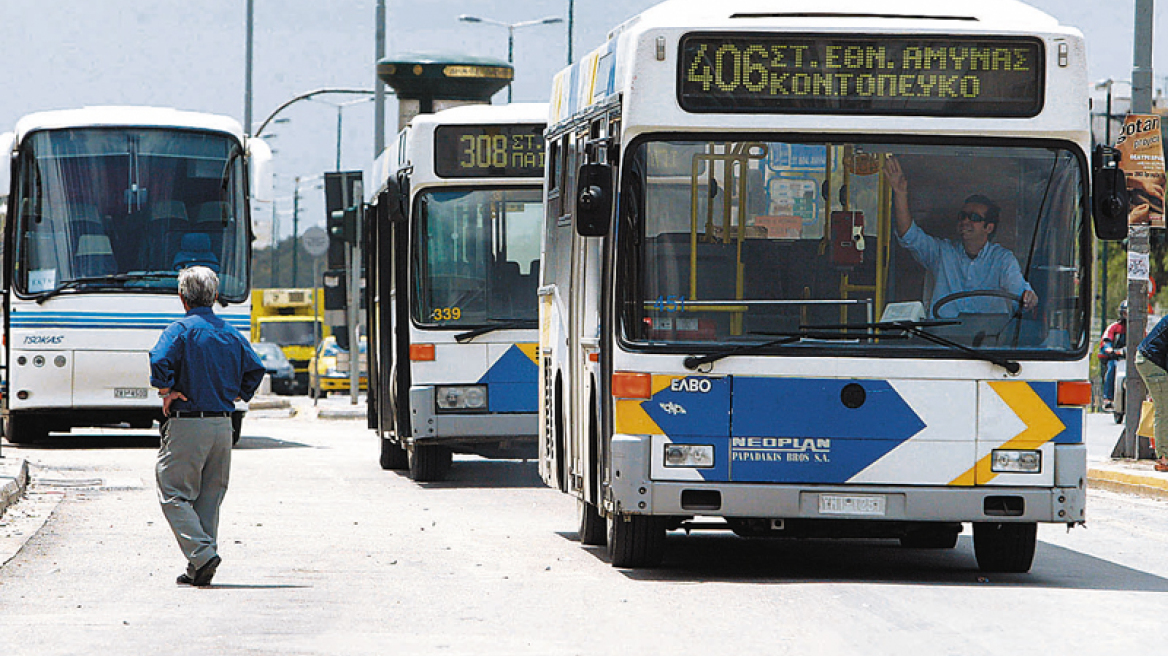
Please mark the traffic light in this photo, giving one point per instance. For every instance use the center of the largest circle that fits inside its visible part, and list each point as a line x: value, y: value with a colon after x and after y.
x: 342, y: 224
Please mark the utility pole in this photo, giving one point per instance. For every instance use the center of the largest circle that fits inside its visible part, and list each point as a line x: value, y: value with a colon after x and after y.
x: 378, y: 85
x: 272, y: 263
x: 247, y: 67
x: 295, y: 229
x: 571, y: 24
x: 1138, y: 241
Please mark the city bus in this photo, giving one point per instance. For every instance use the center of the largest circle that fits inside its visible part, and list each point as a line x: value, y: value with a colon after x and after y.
x: 106, y: 205
x: 452, y: 249
x: 734, y: 334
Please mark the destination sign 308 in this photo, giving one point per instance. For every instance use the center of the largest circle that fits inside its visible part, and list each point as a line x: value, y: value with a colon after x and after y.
x: 847, y: 74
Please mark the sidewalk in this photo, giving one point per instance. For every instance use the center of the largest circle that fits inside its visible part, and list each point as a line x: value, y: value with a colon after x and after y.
x: 1128, y: 477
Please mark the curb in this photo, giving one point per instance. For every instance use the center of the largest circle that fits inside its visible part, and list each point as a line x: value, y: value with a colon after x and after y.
x: 1128, y: 483
x: 331, y: 413
x: 268, y: 403
x: 13, y: 480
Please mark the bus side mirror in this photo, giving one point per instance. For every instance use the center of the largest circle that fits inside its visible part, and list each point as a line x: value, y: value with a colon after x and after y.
x: 262, y: 176
x: 7, y: 141
x: 398, y: 198
x: 593, y: 200
x: 1110, y: 198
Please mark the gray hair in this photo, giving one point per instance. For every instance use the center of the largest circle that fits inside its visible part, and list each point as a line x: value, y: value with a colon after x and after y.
x: 198, y: 285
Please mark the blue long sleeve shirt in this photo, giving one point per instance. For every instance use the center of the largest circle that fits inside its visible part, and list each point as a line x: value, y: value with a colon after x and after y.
x: 207, y: 360
x: 1155, y: 345
x: 994, y: 267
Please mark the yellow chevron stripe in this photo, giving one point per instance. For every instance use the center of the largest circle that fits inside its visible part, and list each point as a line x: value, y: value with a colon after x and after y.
x: 530, y: 350
x: 632, y: 419
x: 1042, y: 425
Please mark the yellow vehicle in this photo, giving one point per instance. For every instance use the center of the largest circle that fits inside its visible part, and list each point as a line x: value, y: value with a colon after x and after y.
x: 287, y: 317
x: 329, y: 369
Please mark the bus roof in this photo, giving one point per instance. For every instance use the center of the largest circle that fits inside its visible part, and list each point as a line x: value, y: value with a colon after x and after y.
x: 127, y: 116
x: 596, y: 78
x: 864, y: 15
x: 512, y: 113
x: 471, y: 114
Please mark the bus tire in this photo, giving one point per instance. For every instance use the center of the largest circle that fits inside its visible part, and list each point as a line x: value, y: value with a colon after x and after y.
x: 24, y: 430
x: 931, y: 537
x: 593, y: 530
x: 429, y: 463
x: 393, y: 456
x: 635, y: 540
x: 1004, y: 547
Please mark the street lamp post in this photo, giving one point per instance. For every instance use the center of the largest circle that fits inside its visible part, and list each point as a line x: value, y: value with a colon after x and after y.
x: 511, y: 27
x: 340, y: 107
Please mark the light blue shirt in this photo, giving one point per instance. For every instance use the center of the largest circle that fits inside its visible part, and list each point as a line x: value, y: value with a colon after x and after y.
x: 994, y: 267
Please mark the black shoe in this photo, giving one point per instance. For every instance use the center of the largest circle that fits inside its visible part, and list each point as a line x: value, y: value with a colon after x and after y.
x: 183, y: 579
x: 204, y: 574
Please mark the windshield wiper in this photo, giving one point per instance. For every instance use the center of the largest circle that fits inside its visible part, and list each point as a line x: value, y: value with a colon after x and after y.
x: 914, y: 328
x: 694, y: 361
x: 492, y: 327
x: 92, y: 280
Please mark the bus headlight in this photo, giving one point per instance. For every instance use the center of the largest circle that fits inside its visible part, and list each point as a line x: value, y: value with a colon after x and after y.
x: 1016, y: 461
x: 689, y: 455
x: 462, y: 397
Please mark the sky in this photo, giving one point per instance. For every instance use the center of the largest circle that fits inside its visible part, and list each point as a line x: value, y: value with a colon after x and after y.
x: 60, y: 54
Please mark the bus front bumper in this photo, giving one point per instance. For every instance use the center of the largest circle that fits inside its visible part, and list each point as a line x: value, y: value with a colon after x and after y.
x: 633, y: 492
x: 430, y: 425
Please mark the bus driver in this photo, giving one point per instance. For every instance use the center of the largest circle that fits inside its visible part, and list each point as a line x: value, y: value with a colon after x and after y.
x: 969, y: 264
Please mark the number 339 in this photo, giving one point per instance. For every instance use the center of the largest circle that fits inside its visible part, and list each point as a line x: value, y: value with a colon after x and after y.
x: 446, y: 314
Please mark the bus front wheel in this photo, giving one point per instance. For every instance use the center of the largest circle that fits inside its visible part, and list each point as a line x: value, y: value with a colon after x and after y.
x: 428, y: 462
x: 636, y: 540
x: 24, y: 430
x: 1004, y: 547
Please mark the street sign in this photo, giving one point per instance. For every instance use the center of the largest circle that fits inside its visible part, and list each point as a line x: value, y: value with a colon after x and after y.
x: 315, y: 241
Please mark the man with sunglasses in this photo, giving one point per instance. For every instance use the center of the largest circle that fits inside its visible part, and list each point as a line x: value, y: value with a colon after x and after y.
x: 970, y: 263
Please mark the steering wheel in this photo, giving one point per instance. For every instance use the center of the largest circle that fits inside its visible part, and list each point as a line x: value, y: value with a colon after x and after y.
x: 1017, y: 298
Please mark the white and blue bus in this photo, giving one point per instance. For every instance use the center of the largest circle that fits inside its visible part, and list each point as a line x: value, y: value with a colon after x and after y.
x: 452, y: 239
x: 733, y: 330
x: 105, y: 205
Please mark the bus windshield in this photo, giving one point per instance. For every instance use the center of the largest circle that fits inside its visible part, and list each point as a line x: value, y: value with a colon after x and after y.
x: 810, y: 245
x: 126, y: 208
x: 477, y: 256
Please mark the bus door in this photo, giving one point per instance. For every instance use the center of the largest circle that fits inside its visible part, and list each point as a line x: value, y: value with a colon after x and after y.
x: 585, y: 342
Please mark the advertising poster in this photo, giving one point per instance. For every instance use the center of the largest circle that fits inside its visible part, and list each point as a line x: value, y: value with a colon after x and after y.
x: 1142, y: 161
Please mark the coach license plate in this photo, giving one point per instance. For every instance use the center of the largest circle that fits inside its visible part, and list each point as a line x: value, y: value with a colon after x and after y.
x: 130, y: 392
x: 852, y: 504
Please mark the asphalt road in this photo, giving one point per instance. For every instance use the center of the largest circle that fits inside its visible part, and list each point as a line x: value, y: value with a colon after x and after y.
x: 325, y: 553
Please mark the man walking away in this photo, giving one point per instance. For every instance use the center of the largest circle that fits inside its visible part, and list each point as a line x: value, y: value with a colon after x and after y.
x: 201, y: 366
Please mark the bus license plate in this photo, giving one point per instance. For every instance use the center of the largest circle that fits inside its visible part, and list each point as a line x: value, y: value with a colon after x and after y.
x: 130, y: 392
x: 849, y: 504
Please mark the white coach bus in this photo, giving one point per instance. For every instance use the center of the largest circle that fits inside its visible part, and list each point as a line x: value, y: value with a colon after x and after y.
x: 105, y: 205
x: 732, y: 327
x: 452, y: 243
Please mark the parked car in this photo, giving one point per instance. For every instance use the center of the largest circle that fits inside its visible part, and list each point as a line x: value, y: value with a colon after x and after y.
x: 324, y: 376
x: 280, y: 370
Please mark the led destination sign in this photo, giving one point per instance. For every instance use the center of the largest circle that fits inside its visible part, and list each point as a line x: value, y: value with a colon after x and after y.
x: 891, y: 75
x: 482, y: 151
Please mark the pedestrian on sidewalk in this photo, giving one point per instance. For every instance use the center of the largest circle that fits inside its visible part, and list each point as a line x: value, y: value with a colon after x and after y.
x: 201, y: 366
x: 1111, y: 351
x: 1152, y: 363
